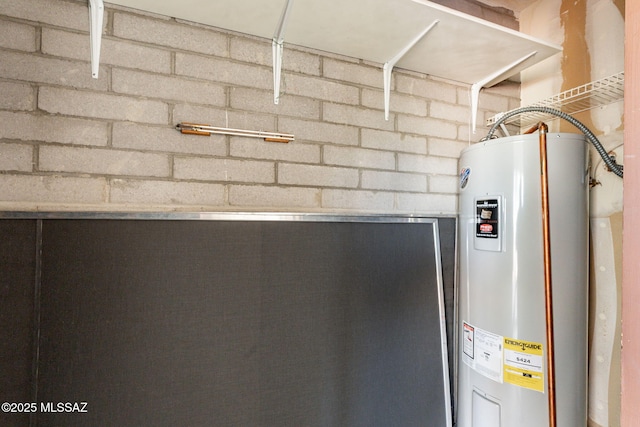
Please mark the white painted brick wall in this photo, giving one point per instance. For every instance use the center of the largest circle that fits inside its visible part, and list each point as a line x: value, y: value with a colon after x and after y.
x: 223, y: 71
x: 299, y: 61
x: 157, y: 86
x: 98, y: 161
x: 69, y: 141
x: 157, y: 193
x: 170, y: 34
x: 51, y: 189
x: 317, y: 176
x: 63, y: 130
x: 214, y: 116
x: 101, y: 105
x: 317, y: 88
x: 18, y: 36
x: 259, y: 52
x: 443, y: 184
x: 426, y: 88
x: 238, y: 119
x: 162, y: 139
x: 373, y: 201
x: 455, y: 113
x: 16, y: 96
x: 394, y: 141
x: 446, y: 148
x: 262, y: 101
x: 223, y: 170
x: 306, y: 130
x: 253, y: 148
x: 254, y: 51
x: 428, y: 203
x: 427, y: 164
x: 427, y: 126
x: 373, y: 180
x: 113, y: 52
x: 357, y: 116
x: 39, y: 69
x: 16, y: 157
x: 354, y: 73
x: 58, y: 13
x: 272, y: 197
x: 398, y: 103
x: 359, y: 157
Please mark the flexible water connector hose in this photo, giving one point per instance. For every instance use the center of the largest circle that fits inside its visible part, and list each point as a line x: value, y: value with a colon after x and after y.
x: 613, y: 166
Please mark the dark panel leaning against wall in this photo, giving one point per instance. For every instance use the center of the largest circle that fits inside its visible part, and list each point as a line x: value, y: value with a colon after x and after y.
x: 17, y: 287
x: 357, y: 328
x: 150, y: 322
x: 242, y: 323
x: 447, y: 230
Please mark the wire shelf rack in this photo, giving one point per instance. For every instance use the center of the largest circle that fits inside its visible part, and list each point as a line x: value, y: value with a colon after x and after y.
x: 582, y: 98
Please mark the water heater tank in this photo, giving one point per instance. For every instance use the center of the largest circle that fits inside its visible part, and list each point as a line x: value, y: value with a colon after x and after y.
x: 502, y: 345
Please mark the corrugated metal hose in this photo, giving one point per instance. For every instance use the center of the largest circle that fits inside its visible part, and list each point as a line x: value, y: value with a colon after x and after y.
x: 611, y: 163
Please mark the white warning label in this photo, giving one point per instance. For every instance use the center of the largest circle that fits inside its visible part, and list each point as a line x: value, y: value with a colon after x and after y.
x: 483, y: 351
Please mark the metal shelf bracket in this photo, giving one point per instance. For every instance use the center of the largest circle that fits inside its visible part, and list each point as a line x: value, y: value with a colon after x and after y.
x: 278, y: 48
x: 387, y: 68
x: 490, y: 81
x: 96, y: 14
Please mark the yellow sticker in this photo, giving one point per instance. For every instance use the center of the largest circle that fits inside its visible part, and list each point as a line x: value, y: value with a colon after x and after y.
x: 523, y: 364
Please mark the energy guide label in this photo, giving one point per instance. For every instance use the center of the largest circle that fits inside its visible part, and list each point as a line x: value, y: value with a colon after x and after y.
x: 502, y: 359
x: 523, y: 364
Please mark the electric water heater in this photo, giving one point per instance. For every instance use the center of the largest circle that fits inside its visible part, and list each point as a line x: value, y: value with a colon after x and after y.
x: 502, y: 328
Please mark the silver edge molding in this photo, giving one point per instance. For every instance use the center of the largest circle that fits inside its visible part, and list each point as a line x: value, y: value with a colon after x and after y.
x: 223, y: 216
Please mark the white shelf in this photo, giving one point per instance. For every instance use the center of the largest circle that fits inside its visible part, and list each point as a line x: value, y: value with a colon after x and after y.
x: 459, y: 47
x: 582, y: 98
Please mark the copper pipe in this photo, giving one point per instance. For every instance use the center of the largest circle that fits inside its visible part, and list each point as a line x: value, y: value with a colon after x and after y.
x: 544, y: 184
x: 533, y: 128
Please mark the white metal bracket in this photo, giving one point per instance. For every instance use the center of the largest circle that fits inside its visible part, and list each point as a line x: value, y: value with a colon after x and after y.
x: 96, y: 13
x: 206, y: 130
x: 278, y: 48
x: 490, y: 81
x: 387, y: 68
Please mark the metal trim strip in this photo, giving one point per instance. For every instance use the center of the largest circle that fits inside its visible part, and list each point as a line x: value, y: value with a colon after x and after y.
x: 225, y: 216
